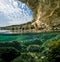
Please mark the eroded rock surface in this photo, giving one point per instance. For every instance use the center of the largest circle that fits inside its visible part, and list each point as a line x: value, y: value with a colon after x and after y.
x: 46, y: 16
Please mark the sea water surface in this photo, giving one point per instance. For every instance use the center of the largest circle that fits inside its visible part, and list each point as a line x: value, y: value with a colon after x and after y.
x: 5, y: 32
x: 5, y: 36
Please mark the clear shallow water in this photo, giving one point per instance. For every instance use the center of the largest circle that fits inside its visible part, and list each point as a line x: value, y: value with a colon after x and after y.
x: 47, y: 36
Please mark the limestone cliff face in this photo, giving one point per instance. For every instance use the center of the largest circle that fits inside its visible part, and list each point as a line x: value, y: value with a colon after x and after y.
x: 46, y: 16
x: 47, y: 13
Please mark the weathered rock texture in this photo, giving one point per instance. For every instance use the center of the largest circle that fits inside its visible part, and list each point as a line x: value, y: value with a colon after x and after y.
x: 46, y: 16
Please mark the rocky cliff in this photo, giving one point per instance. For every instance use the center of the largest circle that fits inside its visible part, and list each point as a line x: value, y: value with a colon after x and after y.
x: 47, y: 12
x: 46, y: 15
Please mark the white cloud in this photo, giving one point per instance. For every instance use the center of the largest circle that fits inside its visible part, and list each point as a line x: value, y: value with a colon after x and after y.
x: 14, y: 12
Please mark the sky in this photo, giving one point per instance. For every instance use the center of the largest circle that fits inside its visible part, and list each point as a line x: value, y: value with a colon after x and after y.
x: 13, y: 12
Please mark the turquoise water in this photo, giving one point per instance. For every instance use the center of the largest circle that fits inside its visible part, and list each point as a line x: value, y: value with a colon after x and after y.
x: 46, y: 36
